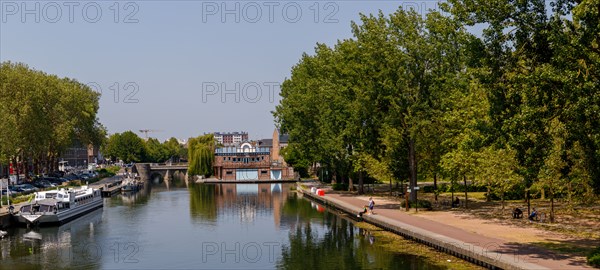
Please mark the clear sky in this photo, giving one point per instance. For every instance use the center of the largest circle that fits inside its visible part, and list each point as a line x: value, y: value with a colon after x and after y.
x: 175, y: 66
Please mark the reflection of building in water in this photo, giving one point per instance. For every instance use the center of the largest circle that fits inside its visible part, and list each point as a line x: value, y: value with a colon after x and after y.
x: 251, y: 200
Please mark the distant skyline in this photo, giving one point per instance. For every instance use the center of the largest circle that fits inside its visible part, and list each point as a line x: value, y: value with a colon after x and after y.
x: 183, y: 67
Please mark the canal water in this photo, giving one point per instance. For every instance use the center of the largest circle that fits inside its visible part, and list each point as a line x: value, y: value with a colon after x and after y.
x: 204, y: 226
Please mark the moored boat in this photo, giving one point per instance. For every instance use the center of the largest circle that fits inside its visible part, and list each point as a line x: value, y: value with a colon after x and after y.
x: 60, y: 206
x: 131, y: 185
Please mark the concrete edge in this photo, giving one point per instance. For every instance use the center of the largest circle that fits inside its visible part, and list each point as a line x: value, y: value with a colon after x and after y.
x: 469, y: 252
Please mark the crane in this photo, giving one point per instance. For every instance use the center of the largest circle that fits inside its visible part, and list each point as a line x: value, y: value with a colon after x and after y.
x: 145, y: 131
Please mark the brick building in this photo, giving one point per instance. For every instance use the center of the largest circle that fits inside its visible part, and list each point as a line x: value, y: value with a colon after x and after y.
x: 259, y: 160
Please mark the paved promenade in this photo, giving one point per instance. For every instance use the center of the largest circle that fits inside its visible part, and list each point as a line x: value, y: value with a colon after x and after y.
x: 469, y: 245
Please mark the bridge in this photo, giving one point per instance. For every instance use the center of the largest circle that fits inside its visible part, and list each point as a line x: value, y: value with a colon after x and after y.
x: 165, y: 170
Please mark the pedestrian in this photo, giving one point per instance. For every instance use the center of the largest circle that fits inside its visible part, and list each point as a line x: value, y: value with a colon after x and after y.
x: 360, y: 214
x: 371, y: 205
x: 517, y: 213
x: 533, y: 214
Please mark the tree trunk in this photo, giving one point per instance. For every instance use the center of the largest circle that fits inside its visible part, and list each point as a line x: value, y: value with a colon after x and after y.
x: 543, y: 193
x: 391, y: 187
x: 350, y: 183
x: 412, y: 164
x: 25, y: 164
x: 551, y: 206
x: 488, y: 196
x: 528, y: 202
x: 466, y: 191
x: 36, y: 166
x: 334, y: 178
x: 361, y: 180
x: 16, y: 168
x: 435, y: 190
x: 502, y: 200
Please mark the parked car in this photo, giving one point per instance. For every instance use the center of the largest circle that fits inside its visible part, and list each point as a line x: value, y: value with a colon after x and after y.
x: 16, y: 188
x: 28, y: 188
x: 71, y: 177
x: 57, y: 174
x: 9, y: 191
x: 44, y: 183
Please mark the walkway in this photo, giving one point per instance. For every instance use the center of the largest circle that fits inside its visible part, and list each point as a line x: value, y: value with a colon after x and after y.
x: 494, y: 251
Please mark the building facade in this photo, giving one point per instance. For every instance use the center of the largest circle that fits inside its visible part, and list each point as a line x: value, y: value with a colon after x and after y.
x: 79, y: 155
x: 230, y: 138
x: 252, y: 161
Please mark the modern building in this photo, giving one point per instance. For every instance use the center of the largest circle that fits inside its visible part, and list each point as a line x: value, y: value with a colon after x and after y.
x: 230, y: 138
x: 260, y: 160
x: 79, y: 155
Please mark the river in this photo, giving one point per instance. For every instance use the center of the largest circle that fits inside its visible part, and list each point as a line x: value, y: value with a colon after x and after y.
x: 204, y: 226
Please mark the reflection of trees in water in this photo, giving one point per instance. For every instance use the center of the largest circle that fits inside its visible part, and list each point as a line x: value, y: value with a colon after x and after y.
x: 328, y: 241
x: 202, y: 202
x: 177, y: 181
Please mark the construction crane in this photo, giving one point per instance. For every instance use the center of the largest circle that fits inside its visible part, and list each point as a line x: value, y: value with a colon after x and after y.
x: 145, y: 131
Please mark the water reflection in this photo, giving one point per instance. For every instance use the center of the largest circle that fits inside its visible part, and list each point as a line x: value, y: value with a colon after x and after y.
x: 68, y: 246
x: 242, y: 201
x: 226, y: 226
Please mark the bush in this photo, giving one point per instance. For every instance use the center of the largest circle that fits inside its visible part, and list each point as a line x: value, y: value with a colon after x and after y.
x: 422, y: 204
x: 75, y: 183
x: 340, y: 186
x: 16, y: 199
x: 594, y: 258
x: 429, y: 189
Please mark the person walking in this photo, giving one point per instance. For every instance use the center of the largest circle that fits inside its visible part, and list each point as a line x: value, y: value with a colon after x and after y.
x: 371, y: 205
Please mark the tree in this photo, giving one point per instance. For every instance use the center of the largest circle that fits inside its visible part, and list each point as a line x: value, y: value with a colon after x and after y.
x: 156, y: 151
x: 497, y: 170
x: 542, y: 66
x: 201, y: 155
x: 43, y: 115
x: 174, y: 149
x: 126, y: 146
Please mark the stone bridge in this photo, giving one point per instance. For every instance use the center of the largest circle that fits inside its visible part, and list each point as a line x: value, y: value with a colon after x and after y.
x: 165, y: 170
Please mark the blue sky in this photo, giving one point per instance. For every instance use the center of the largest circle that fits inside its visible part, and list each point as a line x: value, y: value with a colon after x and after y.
x: 164, y: 65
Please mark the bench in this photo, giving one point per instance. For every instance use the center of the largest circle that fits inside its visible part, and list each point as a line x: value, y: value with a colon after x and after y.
x: 540, y: 217
x: 397, y: 194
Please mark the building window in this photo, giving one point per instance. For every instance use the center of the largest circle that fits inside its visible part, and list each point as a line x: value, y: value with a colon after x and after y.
x: 229, y: 172
x: 264, y: 172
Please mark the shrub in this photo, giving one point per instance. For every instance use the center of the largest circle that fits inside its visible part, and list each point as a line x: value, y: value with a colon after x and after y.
x: 422, y: 204
x: 594, y: 257
x: 75, y: 183
x: 16, y: 199
x: 428, y: 189
x: 340, y: 186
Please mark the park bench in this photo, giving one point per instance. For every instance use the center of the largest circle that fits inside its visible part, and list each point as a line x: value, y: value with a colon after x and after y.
x: 397, y: 194
x: 540, y: 217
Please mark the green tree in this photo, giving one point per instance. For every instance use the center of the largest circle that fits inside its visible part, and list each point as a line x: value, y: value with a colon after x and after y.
x: 201, y: 155
x: 174, y: 149
x: 156, y: 151
x: 43, y: 115
x: 126, y: 146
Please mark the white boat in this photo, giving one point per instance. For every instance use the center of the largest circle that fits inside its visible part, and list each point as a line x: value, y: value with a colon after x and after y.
x: 131, y: 185
x: 60, y: 206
